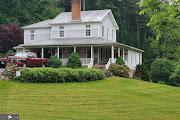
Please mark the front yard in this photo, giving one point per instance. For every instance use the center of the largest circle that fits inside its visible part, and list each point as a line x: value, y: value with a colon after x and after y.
x: 111, y: 99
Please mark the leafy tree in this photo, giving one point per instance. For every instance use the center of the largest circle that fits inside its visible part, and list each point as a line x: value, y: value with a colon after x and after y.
x: 165, y: 23
x: 10, y: 36
x: 161, y: 70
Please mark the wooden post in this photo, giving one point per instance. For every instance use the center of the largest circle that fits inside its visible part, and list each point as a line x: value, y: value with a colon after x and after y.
x: 112, y: 53
x: 42, y: 52
x: 92, y: 53
x: 58, y: 52
x: 74, y: 48
x: 119, y: 52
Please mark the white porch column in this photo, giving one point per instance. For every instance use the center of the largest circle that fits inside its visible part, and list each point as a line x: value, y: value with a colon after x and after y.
x: 74, y: 48
x: 42, y: 52
x: 119, y: 52
x: 123, y: 54
x: 58, y: 52
x: 112, y: 53
x: 92, y: 52
x: 24, y: 50
x: 98, y: 55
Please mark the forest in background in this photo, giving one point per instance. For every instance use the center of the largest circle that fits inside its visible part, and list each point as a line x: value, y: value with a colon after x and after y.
x: 151, y: 25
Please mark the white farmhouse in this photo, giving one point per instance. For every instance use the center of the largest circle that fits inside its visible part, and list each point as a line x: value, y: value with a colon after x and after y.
x: 90, y: 33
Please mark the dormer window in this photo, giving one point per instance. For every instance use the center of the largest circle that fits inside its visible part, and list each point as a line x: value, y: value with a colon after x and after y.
x: 61, y: 31
x: 88, y: 30
x: 32, y: 34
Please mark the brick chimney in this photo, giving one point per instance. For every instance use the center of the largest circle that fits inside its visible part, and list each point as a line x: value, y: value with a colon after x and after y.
x: 76, y: 10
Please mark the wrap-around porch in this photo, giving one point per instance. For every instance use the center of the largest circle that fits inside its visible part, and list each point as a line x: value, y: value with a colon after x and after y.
x: 100, y: 56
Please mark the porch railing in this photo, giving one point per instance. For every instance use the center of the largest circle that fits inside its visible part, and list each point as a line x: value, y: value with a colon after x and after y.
x: 85, y: 61
x: 91, y: 63
x: 111, y: 61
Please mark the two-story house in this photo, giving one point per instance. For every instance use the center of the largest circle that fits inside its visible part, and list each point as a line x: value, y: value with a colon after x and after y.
x: 90, y: 33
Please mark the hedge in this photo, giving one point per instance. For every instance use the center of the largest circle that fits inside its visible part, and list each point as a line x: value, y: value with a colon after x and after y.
x: 119, y: 70
x: 59, y: 75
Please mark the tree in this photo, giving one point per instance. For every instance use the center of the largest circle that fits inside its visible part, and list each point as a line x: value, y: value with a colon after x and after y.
x: 164, y: 19
x: 10, y: 36
x: 74, y: 61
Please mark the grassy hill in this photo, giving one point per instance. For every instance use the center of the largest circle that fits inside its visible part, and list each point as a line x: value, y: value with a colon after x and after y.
x: 111, y: 99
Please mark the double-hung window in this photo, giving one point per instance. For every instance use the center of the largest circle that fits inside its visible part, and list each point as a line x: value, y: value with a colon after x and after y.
x: 88, y: 30
x: 102, y: 31
x: 32, y: 35
x: 107, y: 32
x: 61, y: 31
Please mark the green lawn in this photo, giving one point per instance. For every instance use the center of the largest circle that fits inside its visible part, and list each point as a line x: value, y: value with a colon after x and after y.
x: 111, y: 99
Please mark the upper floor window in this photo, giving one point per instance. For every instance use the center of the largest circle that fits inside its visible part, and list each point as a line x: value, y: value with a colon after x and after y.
x: 102, y: 31
x: 88, y: 30
x: 112, y: 34
x: 61, y: 31
x: 32, y: 35
x: 107, y: 32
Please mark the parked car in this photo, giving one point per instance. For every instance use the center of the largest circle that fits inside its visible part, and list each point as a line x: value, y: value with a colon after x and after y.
x: 28, y: 59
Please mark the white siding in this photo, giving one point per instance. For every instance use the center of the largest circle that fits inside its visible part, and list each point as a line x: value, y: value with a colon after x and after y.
x: 134, y: 59
x: 40, y: 34
x: 76, y: 30
x: 107, y: 23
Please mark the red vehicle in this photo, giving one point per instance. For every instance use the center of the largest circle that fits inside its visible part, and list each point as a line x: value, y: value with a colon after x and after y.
x: 28, y: 59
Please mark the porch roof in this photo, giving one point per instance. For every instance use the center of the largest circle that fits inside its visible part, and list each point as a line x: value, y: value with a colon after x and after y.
x: 76, y: 42
x: 70, y: 42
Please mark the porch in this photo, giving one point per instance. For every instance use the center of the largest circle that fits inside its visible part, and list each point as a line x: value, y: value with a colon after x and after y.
x: 100, y: 56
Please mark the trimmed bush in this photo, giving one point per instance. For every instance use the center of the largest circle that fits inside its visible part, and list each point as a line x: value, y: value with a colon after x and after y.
x: 142, y: 73
x: 175, y: 77
x: 59, y: 75
x: 54, y: 62
x: 74, y: 61
x: 107, y: 73
x: 161, y: 70
x: 119, y: 70
x: 120, y: 61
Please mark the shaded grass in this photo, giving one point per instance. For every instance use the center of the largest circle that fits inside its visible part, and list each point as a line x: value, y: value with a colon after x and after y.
x: 111, y: 99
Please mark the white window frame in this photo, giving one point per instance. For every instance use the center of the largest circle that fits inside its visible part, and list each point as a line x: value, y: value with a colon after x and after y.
x: 88, y: 30
x: 107, y: 32
x: 32, y: 34
x: 61, y: 31
x: 103, y: 31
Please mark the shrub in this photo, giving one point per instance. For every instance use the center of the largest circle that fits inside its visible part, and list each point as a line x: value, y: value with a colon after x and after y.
x: 175, y: 77
x: 54, y: 62
x: 120, y: 61
x: 59, y: 75
x: 141, y: 72
x: 107, y: 73
x: 74, y: 61
x: 161, y: 69
x: 119, y: 70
